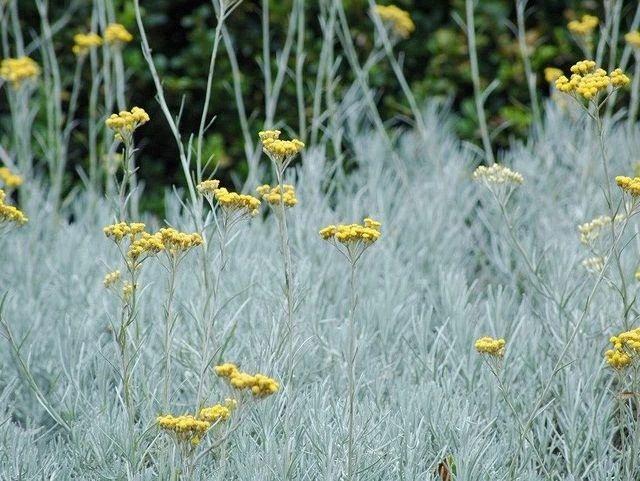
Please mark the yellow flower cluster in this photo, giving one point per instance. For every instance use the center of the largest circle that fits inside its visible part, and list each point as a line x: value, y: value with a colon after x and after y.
x: 497, y: 174
x: 259, y: 384
x: 207, y: 188
x: 116, y: 34
x: 83, y: 42
x: 366, y: 233
x: 18, y: 70
x: 280, y: 151
x: 588, y: 81
x: 399, y: 20
x: 233, y: 201
x: 119, y: 231
x: 589, y: 231
x: 218, y: 412
x: 593, y: 265
x: 9, y: 213
x: 111, y: 279
x: 489, y: 345
x: 625, y: 348
x: 126, y: 122
x: 633, y: 38
x: 272, y: 195
x: 176, y: 242
x: 583, y: 27
x: 9, y: 179
x: 551, y: 74
x: 127, y: 290
x: 146, y: 245
x: 185, y: 428
x: 629, y: 185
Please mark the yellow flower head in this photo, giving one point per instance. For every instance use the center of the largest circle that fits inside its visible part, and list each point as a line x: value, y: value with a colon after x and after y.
x: 19, y: 70
x: 9, y: 179
x: 147, y: 245
x: 235, y: 203
x: 125, y: 122
x: 633, y: 38
x: 629, y: 185
x: 279, y: 151
x: 398, y: 20
x: 176, y: 242
x: 273, y: 197
x: 583, y: 27
x: 490, y: 346
x: 587, y: 80
x: 116, y: 34
x: 551, y: 74
x: 260, y: 385
x: 497, y: 174
x: 9, y: 213
x: 590, y: 231
x: 625, y: 349
x: 119, y: 231
x: 215, y: 413
x: 353, y: 234
x: 83, y: 42
x: 185, y: 428
x: 207, y: 188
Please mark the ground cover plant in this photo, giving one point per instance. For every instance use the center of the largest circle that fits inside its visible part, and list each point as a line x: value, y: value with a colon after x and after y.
x: 366, y: 304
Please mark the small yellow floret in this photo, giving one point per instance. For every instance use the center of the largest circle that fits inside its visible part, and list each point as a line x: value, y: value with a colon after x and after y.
x: 234, y: 202
x: 583, y: 27
x: 83, y: 42
x: 633, y: 38
x: 278, y: 150
x: 398, y: 20
x: 116, y: 34
x: 629, y: 185
x: 19, y: 70
x: 9, y: 213
x: 125, y: 122
x: 551, y: 74
x: 111, y: 279
x: 9, y: 179
x: 353, y: 234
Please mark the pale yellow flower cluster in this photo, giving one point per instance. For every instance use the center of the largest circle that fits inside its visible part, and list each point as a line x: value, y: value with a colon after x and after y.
x: 119, y: 231
x: 259, y: 384
x: 625, y: 349
x: 398, y: 20
x: 490, y: 346
x: 593, y: 265
x: 116, y: 34
x: 279, y: 150
x: 125, y: 122
x: 583, y: 27
x: 207, y: 188
x: 84, y: 42
x: 18, y: 70
x: 587, y: 81
x: 111, y: 279
x: 633, y: 39
x: 9, y: 179
x: 273, y: 197
x: 629, y: 185
x: 497, y: 174
x: 9, y: 213
x: 590, y: 231
x: 218, y: 412
x: 366, y: 233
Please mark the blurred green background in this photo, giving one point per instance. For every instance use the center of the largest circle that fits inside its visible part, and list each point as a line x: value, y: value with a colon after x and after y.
x: 435, y: 62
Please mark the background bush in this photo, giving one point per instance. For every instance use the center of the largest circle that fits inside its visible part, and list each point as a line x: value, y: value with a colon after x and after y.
x: 435, y: 62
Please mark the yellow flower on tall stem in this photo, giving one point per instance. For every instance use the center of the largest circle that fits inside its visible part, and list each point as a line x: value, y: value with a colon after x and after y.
x: 352, y: 241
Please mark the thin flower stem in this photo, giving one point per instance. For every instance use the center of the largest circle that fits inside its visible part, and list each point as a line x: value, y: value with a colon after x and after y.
x: 168, y: 328
x: 351, y: 357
